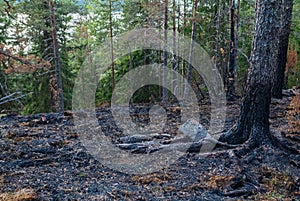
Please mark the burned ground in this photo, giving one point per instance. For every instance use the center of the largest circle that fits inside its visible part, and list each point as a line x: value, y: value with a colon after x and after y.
x: 42, y: 158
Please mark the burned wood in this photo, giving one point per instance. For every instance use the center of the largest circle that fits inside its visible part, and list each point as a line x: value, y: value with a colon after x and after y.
x: 152, y: 146
x: 238, y: 192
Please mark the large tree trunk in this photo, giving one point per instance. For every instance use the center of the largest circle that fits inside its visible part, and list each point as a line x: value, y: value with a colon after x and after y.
x: 286, y: 18
x: 253, y: 123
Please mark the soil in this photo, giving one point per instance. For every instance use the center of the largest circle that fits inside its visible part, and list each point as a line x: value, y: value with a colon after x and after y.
x: 42, y: 158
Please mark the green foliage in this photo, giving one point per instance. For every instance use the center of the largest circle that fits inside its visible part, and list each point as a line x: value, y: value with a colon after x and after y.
x: 39, y: 33
x: 294, y: 78
x: 78, y: 39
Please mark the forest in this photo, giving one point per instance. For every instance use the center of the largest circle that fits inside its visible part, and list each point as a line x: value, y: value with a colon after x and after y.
x: 149, y: 100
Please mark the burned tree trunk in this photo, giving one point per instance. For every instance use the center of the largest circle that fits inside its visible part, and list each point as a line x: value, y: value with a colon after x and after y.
x: 232, y: 55
x: 165, y: 61
x: 253, y: 122
x: 286, y: 17
x: 190, y: 68
x: 56, y: 58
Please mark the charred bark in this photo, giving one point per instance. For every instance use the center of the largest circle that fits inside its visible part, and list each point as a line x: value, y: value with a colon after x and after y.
x: 286, y: 17
x: 253, y: 122
x: 56, y: 59
x: 232, y: 55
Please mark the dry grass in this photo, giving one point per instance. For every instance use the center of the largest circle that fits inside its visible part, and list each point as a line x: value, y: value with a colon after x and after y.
x: 20, y: 195
x: 278, y: 185
x: 152, y: 178
x: 216, y: 181
x: 293, y: 117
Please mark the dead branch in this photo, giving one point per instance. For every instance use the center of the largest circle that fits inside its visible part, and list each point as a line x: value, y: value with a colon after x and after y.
x: 22, y: 60
x: 10, y: 97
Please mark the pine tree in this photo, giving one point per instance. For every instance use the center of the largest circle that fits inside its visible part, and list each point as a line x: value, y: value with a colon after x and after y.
x: 253, y: 122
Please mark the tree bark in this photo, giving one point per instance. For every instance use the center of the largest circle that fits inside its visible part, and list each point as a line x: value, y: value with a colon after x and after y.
x: 174, y: 58
x: 189, y: 72
x: 253, y: 122
x: 218, y: 36
x: 56, y: 58
x: 111, y: 47
x: 232, y: 54
x: 165, y: 61
x: 286, y: 18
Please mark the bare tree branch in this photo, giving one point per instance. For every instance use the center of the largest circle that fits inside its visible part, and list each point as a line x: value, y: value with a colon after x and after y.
x: 10, y: 97
x: 24, y: 61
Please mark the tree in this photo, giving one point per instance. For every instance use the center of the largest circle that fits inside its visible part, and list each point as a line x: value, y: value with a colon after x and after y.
x: 189, y: 72
x: 165, y: 60
x: 286, y: 20
x: 56, y: 59
x: 253, y: 122
x: 232, y: 54
x: 35, y: 28
x: 111, y: 46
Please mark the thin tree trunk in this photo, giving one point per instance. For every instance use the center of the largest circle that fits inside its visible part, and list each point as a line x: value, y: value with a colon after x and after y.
x: 253, y: 122
x: 217, y: 59
x: 184, y: 27
x: 174, y: 58
x: 165, y: 61
x: 285, y: 27
x: 111, y: 47
x: 232, y: 54
x: 189, y: 73
x: 236, y: 44
x: 56, y: 58
x: 179, y: 60
x: 217, y: 38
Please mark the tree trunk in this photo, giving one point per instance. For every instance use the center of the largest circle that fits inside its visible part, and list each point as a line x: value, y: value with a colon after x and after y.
x: 165, y: 61
x: 111, y: 47
x: 253, y: 122
x: 174, y: 58
x: 232, y: 55
x: 286, y: 18
x: 183, y: 32
x: 56, y: 58
x: 218, y: 36
x: 189, y: 72
x: 236, y: 44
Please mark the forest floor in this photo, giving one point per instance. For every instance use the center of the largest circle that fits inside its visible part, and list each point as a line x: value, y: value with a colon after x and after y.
x: 42, y: 158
